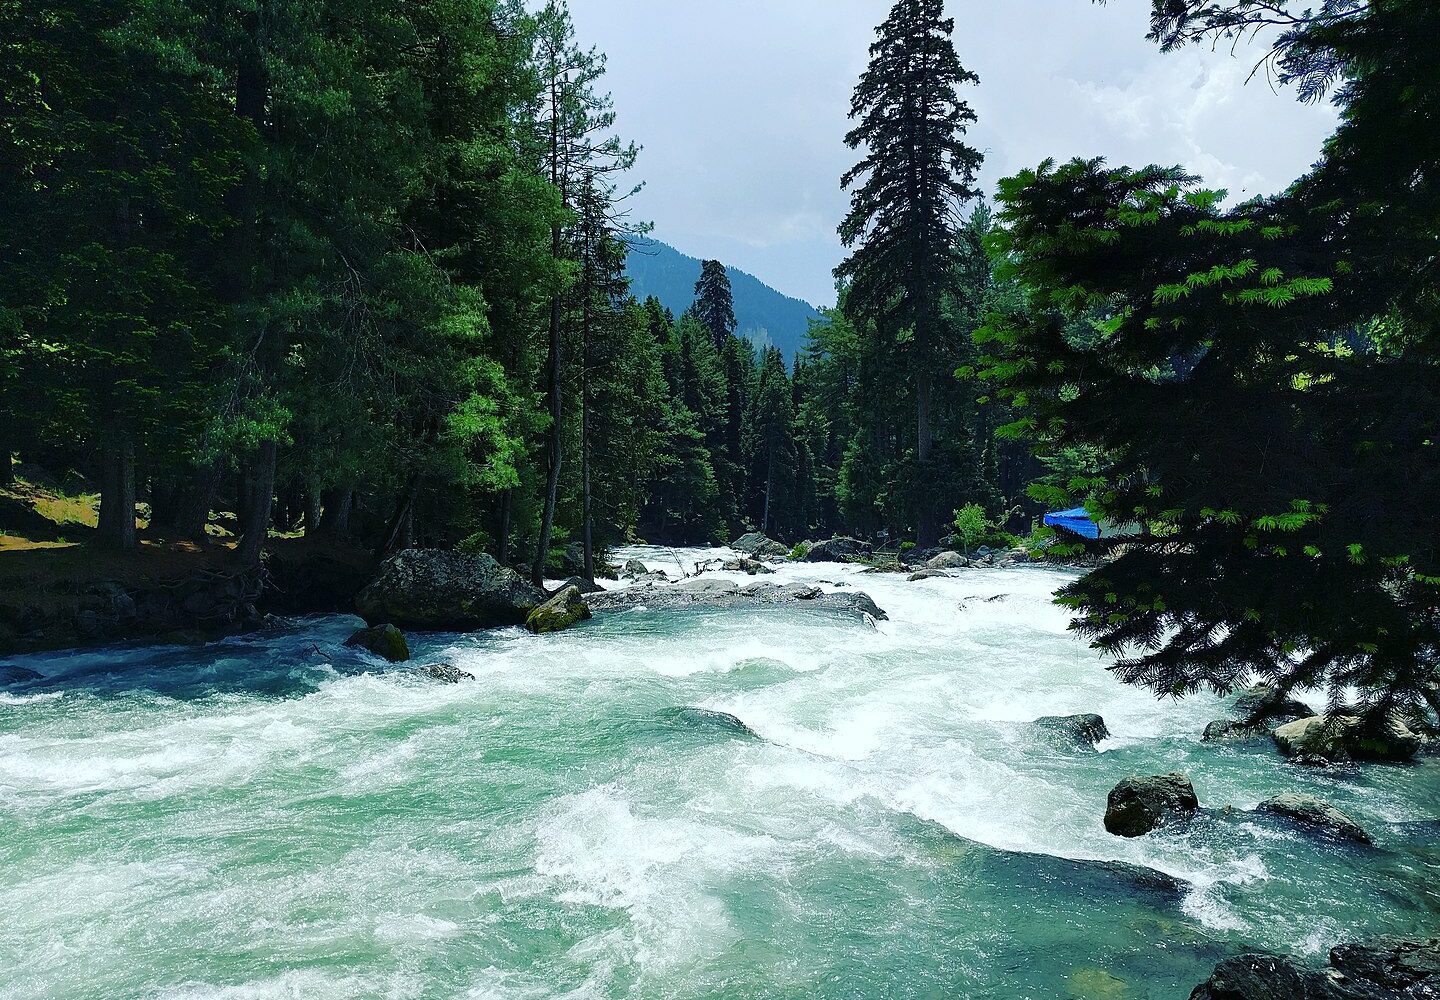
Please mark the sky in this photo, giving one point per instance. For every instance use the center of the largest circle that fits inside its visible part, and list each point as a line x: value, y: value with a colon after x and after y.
x: 741, y: 107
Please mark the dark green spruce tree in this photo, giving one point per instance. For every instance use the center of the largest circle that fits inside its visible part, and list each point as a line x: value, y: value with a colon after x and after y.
x: 907, y: 194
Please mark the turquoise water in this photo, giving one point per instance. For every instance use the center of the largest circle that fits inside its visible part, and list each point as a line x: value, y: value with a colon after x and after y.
x: 280, y: 817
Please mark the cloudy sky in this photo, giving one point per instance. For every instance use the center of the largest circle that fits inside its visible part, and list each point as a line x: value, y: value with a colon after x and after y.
x: 741, y: 107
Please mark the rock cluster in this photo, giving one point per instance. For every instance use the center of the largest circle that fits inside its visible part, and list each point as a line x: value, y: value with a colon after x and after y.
x: 702, y: 593
x: 1385, y: 968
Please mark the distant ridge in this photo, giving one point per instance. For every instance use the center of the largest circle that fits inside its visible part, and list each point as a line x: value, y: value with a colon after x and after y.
x: 763, y: 315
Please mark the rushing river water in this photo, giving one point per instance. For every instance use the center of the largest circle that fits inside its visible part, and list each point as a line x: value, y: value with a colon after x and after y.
x: 277, y: 816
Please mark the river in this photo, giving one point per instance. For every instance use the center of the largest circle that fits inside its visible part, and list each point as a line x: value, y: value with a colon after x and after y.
x: 277, y: 816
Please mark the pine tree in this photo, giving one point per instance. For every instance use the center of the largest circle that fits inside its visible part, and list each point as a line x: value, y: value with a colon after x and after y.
x: 907, y: 194
x: 715, y: 302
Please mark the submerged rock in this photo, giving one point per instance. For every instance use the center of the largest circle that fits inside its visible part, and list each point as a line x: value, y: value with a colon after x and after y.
x: 445, y: 673
x: 1385, y: 968
x: 1139, y: 805
x: 18, y: 675
x: 1346, y: 737
x: 838, y: 550
x: 443, y: 590
x: 759, y: 546
x: 385, y: 641
x: 1315, y: 814
x: 1084, y: 730
x: 708, y: 593
x: 708, y: 719
x: 565, y: 609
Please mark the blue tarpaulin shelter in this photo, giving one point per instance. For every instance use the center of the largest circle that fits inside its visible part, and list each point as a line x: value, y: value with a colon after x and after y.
x: 1077, y: 521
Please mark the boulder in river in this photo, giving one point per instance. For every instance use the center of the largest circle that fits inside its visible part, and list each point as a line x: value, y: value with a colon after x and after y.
x: 1139, y: 805
x: 565, y: 609
x: 1083, y: 730
x: 633, y: 568
x: 1315, y: 814
x: 17, y: 675
x: 444, y: 590
x: 947, y: 560
x: 927, y: 574
x: 385, y: 641
x: 1347, y: 737
x: 1384, y: 968
x: 704, y: 593
x: 581, y: 584
x: 1231, y: 731
x: 751, y: 567
x: 759, y: 546
x: 838, y: 550
x: 1261, y: 702
x: 445, y: 673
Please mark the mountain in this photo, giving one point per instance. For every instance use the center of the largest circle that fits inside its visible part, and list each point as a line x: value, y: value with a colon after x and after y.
x: 762, y: 315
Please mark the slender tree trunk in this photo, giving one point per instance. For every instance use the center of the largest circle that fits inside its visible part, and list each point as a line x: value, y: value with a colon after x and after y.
x: 395, y: 531
x: 769, y: 481
x: 507, y: 515
x: 255, y: 531
x: 7, y: 465
x: 117, y: 494
x: 312, y: 513
x: 555, y: 449
x: 589, y: 527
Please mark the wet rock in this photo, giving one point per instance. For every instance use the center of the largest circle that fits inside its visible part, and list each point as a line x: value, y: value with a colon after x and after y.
x: 1084, y: 730
x: 948, y: 560
x: 759, y: 546
x: 443, y: 590
x: 928, y: 574
x: 565, y: 609
x: 1230, y: 731
x: 655, y: 576
x: 838, y: 550
x: 1260, y: 702
x: 1346, y: 737
x: 633, y: 568
x: 703, y: 593
x: 1315, y: 814
x: 445, y: 673
x: 1139, y: 805
x: 752, y: 567
x: 1385, y: 968
x: 703, y: 719
x: 581, y: 584
x: 18, y: 675
x: 385, y: 641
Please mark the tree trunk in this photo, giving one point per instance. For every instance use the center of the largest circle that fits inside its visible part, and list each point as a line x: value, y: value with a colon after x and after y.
x: 117, y: 494
x: 192, y: 505
x: 256, y: 528
x: 312, y: 512
x: 396, y: 531
x: 334, y: 517
x: 927, y: 526
x: 588, y: 528
x: 7, y: 465
x: 507, y: 515
x: 769, y: 482
x: 555, y: 449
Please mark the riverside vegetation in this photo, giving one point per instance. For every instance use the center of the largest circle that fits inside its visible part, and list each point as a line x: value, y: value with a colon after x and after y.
x: 330, y: 313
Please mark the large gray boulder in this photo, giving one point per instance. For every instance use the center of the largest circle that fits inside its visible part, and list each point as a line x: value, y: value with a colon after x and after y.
x: 1231, y: 731
x: 1316, y: 815
x: 838, y: 550
x: 633, y: 568
x: 581, y: 584
x: 1346, y: 737
x: 1139, y: 805
x: 443, y: 590
x: 947, y: 560
x: 759, y: 546
x: 701, y: 593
